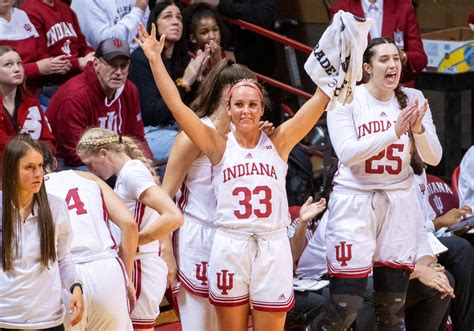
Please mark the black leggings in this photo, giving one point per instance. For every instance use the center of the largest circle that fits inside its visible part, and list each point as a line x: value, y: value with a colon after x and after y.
x: 54, y: 328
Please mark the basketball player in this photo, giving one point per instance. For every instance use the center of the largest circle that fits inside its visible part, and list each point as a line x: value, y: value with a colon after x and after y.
x: 189, y: 169
x: 107, y: 154
x: 373, y: 210
x: 106, y: 280
x: 250, y: 261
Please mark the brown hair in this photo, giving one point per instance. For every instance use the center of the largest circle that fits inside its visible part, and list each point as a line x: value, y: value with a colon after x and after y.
x: 95, y: 139
x: 402, y: 98
x: 225, y: 74
x: 11, y: 223
x: 367, y: 58
x: 4, y: 50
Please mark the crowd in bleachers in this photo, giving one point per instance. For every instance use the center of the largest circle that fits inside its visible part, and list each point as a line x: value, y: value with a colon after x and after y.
x: 94, y: 85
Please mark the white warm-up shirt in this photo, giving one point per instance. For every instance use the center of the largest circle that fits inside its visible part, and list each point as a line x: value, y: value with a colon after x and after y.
x: 371, y: 156
x: 30, y: 295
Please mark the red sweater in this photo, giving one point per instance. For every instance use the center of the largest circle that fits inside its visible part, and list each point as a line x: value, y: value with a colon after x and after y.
x: 81, y: 103
x: 59, y: 32
x: 30, y: 119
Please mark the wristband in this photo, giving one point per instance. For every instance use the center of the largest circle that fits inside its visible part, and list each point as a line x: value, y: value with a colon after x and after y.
x: 77, y: 283
x: 179, y: 82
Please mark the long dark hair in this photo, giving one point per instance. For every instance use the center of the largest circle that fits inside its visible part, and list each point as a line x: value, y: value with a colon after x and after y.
x: 402, y: 98
x: 180, y: 57
x: 11, y: 223
x: 196, y: 12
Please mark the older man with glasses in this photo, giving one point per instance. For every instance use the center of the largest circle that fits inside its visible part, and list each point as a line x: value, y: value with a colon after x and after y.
x: 101, y: 96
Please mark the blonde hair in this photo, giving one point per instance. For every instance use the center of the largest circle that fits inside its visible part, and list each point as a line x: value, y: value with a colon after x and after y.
x: 95, y: 139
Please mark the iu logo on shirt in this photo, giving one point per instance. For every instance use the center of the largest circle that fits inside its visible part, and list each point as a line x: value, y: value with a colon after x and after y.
x: 27, y: 27
x: 225, y: 281
x: 201, y: 272
x: 343, y: 253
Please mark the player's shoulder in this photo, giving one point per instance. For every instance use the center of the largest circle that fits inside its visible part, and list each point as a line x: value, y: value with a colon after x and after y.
x: 413, y: 94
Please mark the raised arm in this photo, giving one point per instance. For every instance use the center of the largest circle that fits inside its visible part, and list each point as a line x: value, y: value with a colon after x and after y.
x: 288, y: 134
x: 207, y: 139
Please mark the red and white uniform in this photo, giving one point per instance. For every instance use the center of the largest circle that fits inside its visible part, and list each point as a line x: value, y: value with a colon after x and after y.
x: 93, y: 250
x: 81, y: 103
x: 193, y: 244
x: 150, y: 271
x: 21, y: 34
x: 251, y: 257
x: 59, y: 32
x: 374, y: 193
x: 31, y: 294
x: 29, y: 118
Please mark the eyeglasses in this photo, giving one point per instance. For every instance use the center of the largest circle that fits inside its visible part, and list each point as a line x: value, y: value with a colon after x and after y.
x: 117, y: 64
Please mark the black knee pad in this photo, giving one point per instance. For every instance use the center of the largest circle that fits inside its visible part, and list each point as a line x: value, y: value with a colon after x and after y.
x: 345, y: 300
x: 389, y: 309
x: 390, y: 279
x: 390, y: 287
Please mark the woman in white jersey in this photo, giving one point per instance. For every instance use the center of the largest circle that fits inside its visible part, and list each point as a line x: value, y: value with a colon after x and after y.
x: 106, y: 277
x: 373, y: 210
x: 189, y: 171
x: 36, y: 237
x: 107, y: 154
x: 250, y: 262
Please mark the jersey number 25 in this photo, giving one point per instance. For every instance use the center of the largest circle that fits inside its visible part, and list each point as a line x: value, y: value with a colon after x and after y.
x: 396, y: 161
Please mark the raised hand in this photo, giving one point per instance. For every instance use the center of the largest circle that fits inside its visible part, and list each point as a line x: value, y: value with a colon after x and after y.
x: 267, y: 127
x: 196, y: 67
x: 215, y: 54
x: 151, y: 47
x: 403, y: 120
x: 310, y: 209
x: 416, y: 122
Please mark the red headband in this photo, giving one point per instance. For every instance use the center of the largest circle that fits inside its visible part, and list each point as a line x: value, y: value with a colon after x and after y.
x: 247, y: 83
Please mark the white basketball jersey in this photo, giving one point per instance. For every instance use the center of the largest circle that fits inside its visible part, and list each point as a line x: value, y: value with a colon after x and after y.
x: 132, y: 180
x: 250, y: 187
x: 92, y: 239
x: 196, y: 198
x: 389, y: 168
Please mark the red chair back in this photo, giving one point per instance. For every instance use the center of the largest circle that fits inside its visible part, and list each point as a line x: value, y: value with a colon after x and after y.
x: 441, y: 196
x: 455, y: 178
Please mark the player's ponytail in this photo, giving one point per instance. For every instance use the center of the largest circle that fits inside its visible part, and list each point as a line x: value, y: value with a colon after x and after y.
x: 95, y: 139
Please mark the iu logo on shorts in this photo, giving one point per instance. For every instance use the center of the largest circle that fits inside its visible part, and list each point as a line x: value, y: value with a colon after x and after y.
x: 201, y: 272
x: 225, y: 281
x: 344, y: 253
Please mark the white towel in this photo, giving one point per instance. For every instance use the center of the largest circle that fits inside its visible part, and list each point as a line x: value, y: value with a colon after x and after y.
x: 335, y: 64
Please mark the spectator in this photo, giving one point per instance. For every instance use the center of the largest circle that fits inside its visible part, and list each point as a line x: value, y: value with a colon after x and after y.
x: 204, y: 29
x: 100, y: 96
x: 395, y: 19
x: 59, y: 34
x: 16, y: 30
x: 160, y: 127
x: 21, y: 112
x: 466, y: 179
x: 104, y: 19
x: 251, y: 49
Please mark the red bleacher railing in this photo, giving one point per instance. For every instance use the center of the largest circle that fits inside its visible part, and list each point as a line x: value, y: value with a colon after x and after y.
x: 278, y: 38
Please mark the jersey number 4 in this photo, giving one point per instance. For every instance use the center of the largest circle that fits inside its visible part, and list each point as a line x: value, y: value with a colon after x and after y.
x: 264, y: 209
x: 73, y: 201
x: 393, y: 169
